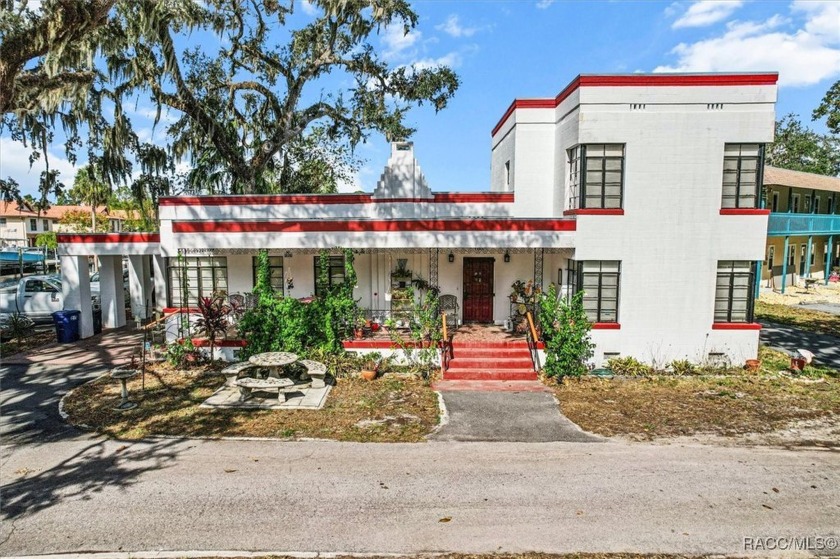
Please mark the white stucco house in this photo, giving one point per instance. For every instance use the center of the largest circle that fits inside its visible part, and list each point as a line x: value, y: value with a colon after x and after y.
x: 641, y: 190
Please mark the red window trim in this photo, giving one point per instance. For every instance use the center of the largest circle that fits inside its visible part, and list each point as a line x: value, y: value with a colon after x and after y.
x: 744, y: 211
x: 606, y: 326
x: 736, y: 326
x: 595, y: 211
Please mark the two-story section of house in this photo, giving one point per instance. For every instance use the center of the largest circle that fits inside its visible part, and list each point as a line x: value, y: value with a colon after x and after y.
x: 803, y: 235
x: 662, y: 175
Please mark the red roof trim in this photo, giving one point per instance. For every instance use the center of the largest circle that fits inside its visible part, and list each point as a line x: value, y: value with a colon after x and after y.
x: 108, y: 238
x: 367, y: 226
x: 744, y: 211
x: 736, y: 326
x: 595, y: 211
x: 639, y: 80
x: 329, y: 199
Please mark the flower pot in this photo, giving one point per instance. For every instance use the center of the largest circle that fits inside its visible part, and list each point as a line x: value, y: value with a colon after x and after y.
x: 797, y: 364
x: 368, y: 374
x: 359, y: 333
x: 374, y: 326
x: 752, y: 365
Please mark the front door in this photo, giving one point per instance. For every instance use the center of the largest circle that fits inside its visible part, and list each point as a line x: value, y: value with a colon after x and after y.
x: 478, y: 290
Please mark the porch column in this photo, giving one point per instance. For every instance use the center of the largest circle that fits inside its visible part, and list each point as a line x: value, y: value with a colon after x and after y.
x: 757, y: 287
x: 785, y: 263
x: 75, y: 290
x: 112, y: 291
x: 160, y: 279
x: 829, y: 252
x: 138, y: 283
x: 807, y: 270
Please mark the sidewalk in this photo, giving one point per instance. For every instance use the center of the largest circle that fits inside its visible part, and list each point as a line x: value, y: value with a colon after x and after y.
x: 112, y: 347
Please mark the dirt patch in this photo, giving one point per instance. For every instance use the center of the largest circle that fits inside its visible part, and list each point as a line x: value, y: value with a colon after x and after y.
x: 37, y: 339
x: 169, y: 405
x: 794, y: 295
x: 728, y: 406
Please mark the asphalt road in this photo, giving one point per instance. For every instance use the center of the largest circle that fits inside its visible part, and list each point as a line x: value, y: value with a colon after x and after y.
x: 62, y: 491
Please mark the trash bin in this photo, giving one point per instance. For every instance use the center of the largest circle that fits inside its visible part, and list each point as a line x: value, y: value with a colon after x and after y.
x: 97, y: 320
x: 66, y: 326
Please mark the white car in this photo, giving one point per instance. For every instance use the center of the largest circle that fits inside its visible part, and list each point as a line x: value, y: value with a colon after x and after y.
x: 95, y: 286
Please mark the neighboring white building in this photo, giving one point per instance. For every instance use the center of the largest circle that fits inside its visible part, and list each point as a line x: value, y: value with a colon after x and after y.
x: 642, y: 190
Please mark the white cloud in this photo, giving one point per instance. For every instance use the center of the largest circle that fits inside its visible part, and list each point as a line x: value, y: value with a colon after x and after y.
x: 452, y: 59
x: 454, y: 28
x: 14, y: 162
x: 543, y: 4
x: 803, y: 56
x: 397, y: 42
x: 308, y: 8
x: 706, y: 12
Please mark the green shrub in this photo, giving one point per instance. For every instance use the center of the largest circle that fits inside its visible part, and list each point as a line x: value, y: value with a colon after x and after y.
x: 565, y: 331
x: 629, y: 367
x: 682, y: 367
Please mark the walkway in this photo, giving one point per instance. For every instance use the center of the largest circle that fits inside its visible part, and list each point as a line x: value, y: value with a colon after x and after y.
x: 112, y: 347
x: 826, y: 349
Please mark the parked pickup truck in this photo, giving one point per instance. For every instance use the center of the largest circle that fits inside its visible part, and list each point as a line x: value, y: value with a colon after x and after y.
x: 36, y: 297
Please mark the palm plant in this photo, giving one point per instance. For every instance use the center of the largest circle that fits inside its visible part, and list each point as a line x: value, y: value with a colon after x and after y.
x: 214, y: 319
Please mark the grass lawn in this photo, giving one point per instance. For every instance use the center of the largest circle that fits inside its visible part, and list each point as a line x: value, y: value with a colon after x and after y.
x: 169, y: 406
x: 666, y: 406
x: 815, y: 321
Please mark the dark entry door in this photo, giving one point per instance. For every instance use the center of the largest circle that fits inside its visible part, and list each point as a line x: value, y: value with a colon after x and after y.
x: 478, y: 290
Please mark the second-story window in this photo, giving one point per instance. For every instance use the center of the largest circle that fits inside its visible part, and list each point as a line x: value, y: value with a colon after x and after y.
x: 46, y: 224
x: 742, y: 170
x: 33, y: 224
x: 596, y: 176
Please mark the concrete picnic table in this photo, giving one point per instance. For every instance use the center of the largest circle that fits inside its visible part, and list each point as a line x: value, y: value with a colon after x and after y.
x: 273, y: 360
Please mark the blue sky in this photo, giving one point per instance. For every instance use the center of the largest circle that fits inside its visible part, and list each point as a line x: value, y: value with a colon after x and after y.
x: 520, y: 48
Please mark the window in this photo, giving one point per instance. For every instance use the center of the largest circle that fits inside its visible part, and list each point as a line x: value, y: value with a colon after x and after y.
x: 33, y: 224
x: 115, y: 225
x: 775, y: 202
x: 596, y: 176
x: 192, y: 278
x: 2, y: 221
x: 734, y: 291
x: 802, y: 258
x: 791, y: 256
x: 46, y: 224
x: 742, y: 164
x: 795, y: 205
x: 771, y: 257
x: 816, y: 204
x: 830, y: 209
x: 507, y: 174
x: 40, y: 286
x: 275, y: 272
x: 807, y: 204
x: 599, y: 280
x: 335, y: 273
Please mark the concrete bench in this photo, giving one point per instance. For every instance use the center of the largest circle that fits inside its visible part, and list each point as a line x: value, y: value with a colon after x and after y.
x: 232, y: 372
x: 282, y: 385
x: 316, y: 371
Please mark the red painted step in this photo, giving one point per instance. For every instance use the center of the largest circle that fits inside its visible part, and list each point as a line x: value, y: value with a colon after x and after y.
x: 496, y: 374
x: 490, y: 361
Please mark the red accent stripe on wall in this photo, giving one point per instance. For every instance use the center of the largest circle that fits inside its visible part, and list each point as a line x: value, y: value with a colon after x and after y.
x: 108, y: 238
x: 368, y: 226
x: 330, y: 199
x: 595, y: 211
x: 744, y: 211
x: 640, y: 80
x: 736, y: 326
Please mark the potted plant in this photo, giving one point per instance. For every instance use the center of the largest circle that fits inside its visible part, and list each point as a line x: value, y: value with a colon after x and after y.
x: 370, y: 368
x: 359, y: 327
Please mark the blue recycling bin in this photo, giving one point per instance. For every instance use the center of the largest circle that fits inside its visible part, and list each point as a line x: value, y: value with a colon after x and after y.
x: 66, y: 326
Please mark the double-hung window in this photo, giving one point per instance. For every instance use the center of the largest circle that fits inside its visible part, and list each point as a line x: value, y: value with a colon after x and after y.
x: 596, y: 176
x: 742, y: 175
x: 734, y: 292
x: 195, y: 277
x: 275, y: 272
x: 599, y: 280
x: 334, y: 275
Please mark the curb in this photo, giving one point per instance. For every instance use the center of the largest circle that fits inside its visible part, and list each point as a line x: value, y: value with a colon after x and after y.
x: 194, y: 554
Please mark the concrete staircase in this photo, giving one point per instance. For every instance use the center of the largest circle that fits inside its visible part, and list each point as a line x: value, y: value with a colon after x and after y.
x: 503, y: 361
